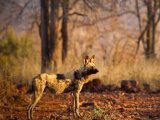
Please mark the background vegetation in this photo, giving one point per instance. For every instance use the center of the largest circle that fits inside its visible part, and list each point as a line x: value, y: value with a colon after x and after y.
x: 54, y: 36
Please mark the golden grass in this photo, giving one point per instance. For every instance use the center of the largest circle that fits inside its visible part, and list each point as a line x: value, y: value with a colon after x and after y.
x: 144, y: 71
x: 7, y: 89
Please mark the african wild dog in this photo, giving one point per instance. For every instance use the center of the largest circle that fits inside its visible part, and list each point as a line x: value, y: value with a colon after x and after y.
x: 61, y: 83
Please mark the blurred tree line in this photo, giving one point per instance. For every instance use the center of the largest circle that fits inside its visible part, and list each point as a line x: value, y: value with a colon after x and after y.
x: 55, y: 15
x: 58, y: 25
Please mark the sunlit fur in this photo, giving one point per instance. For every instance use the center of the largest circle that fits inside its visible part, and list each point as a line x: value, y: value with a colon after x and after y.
x: 60, y: 83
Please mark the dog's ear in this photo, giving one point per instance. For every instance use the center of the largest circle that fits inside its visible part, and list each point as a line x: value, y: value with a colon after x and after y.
x: 92, y: 58
x: 86, y: 60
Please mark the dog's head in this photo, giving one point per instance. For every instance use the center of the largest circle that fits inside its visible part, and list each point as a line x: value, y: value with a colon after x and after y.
x: 89, y: 68
x: 89, y: 65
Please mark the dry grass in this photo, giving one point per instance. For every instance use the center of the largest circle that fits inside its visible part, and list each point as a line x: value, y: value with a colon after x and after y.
x: 7, y: 90
x: 142, y: 70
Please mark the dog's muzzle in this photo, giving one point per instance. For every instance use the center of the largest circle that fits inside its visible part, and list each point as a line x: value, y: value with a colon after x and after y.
x: 94, y: 71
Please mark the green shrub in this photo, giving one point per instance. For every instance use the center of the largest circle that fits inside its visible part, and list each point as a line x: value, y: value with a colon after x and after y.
x: 16, y: 53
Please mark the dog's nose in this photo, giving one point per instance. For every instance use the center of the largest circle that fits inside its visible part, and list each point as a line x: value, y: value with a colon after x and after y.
x: 97, y: 70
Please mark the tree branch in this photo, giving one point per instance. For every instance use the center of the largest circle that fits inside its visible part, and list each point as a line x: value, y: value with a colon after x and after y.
x: 18, y: 15
x: 77, y: 13
x: 140, y: 27
x: 110, y: 16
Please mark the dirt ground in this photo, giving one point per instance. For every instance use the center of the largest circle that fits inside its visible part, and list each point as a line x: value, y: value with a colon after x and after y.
x: 106, y: 105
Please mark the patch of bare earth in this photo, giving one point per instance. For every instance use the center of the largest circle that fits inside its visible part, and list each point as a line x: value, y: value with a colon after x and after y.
x: 116, y: 105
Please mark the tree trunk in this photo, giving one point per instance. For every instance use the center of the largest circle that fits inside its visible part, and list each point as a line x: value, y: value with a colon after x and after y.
x: 150, y: 36
x: 64, y: 30
x: 154, y: 28
x: 54, y: 46
x: 50, y: 31
x: 44, y: 35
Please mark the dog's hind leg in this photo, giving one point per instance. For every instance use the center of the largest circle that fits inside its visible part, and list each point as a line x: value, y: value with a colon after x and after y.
x: 36, y: 97
x: 30, y: 106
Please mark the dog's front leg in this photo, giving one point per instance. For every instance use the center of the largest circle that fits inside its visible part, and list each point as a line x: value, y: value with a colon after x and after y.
x: 73, y: 105
x: 76, y: 104
x: 76, y: 94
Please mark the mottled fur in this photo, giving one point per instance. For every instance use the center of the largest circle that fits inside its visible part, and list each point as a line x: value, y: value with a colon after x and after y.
x: 61, y: 83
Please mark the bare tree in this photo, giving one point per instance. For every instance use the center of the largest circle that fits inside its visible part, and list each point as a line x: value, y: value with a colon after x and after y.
x: 44, y: 34
x: 55, y: 26
x: 64, y: 29
x: 149, y: 31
